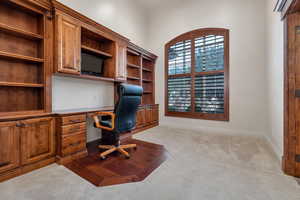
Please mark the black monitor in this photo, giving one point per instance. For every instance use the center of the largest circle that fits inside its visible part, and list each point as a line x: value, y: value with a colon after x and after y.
x: 91, y: 64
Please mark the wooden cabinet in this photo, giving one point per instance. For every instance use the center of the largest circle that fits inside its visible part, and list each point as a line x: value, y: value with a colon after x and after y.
x: 68, y: 49
x: 37, y: 140
x: 26, y: 145
x: 147, y: 116
x: 71, y: 137
x: 9, y: 146
x: 140, y: 117
x: 155, y: 113
x: 121, y: 71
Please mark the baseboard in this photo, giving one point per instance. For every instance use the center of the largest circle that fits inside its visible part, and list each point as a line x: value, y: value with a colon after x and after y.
x: 25, y: 169
x: 274, y: 147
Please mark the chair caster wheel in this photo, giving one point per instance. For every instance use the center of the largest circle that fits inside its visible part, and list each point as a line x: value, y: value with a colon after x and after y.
x: 103, y: 158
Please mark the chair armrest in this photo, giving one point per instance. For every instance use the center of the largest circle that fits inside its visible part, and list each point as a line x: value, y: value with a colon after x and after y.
x: 97, y: 122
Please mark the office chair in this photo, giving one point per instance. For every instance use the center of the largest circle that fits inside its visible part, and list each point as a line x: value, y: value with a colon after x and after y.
x: 122, y: 120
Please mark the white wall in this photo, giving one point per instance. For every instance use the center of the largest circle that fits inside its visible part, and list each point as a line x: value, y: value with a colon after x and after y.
x: 275, y: 75
x: 245, y: 19
x: 122, y: 16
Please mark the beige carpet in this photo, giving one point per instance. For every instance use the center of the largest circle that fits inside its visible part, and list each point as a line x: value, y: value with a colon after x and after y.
x: 201, y: 166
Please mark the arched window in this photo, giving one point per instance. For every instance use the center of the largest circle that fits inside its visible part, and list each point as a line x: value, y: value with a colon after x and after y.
x: 197, y: 75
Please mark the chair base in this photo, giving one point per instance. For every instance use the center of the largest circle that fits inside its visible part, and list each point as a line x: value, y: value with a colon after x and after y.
x: 120, y: 148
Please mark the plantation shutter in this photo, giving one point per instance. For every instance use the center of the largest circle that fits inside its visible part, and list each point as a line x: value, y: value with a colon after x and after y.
x: 197, y: 75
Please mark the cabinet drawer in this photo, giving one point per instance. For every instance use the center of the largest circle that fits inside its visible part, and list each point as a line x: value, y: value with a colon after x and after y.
x: 73, y: 143
x: 73, y: 119
x: 73, y: 128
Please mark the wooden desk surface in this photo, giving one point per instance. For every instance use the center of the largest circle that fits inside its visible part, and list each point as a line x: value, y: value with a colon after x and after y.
x: 83, y: 110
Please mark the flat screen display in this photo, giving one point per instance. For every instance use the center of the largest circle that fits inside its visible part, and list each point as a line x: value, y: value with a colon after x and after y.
x: 91, y: 64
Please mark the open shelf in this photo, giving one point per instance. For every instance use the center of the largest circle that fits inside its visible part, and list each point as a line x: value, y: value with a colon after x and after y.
x: 96, y: 51
x: 23, y: 86
x: 147, y: 80
x: 133, y: 65
x: 19, y: 32
x: 20, y: 57
x: 14, y: 84
x: 147, y: 70
x: 132, y: 52
x: 133, y: 78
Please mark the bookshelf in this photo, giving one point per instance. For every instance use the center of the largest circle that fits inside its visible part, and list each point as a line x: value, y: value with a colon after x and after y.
x: 140, y: 71
x: 23, y: 70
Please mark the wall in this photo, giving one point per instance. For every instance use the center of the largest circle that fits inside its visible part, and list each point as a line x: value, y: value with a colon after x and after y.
x: 275, y: 75
x: 248, y: 94
x: 122, y: 16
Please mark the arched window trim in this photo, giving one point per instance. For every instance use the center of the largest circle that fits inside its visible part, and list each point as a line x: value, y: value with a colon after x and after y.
x: 191, y: 36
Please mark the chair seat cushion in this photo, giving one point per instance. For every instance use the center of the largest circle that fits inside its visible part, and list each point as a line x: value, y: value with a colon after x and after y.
x: 106, y: 123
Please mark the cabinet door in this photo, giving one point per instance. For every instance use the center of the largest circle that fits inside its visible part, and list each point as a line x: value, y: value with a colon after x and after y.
x: 68, y: 39
x: 9, y: 146
x: 155, y: 113
x: 121, y: 68
x: 148, y: 114
x: 37, y: 140
x: 140, y: 118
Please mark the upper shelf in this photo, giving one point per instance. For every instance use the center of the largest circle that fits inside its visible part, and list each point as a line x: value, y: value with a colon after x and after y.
x: 133, y: 65
x: 19, y: 32
x: 147, y: 70
x: 20, y: 57
x: 96, y: 51
x: 14, y: 84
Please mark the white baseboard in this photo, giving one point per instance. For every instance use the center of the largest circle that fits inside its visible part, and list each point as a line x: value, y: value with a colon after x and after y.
x: 274, y: 147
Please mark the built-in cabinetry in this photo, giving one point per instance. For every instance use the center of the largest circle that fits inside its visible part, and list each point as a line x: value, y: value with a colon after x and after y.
x: 25, y: 58
x: 147, y: 116
x: 76, y: 35
x: 141, y: 71
x: 25, y: 145
x: 40, y: 38
x: 71, y: 137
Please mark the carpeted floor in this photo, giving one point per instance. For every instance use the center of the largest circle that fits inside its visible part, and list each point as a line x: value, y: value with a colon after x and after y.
x: 201, y: 166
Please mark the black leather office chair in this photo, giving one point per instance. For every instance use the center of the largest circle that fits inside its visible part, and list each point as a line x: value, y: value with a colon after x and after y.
x: 122, y: 120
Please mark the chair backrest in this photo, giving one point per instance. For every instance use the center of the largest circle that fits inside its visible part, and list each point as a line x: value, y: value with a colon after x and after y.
x: 125, y: 110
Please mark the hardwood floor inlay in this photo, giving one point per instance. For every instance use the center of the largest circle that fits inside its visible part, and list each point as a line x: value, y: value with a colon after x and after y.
x: 116, y: 169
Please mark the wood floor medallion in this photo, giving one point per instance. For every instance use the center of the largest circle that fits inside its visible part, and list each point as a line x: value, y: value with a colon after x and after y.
x: 116, y: 169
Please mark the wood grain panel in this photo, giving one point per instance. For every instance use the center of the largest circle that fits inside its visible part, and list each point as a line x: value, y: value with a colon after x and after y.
x: 68, y: 44
x: 23, y: 19
x: 37, y: 140
x: 12, y: 71
x: 19, y: 45
x: 73, y: 143
x: 73, y: 128
x: 20, y: 99
x: 10, y: 146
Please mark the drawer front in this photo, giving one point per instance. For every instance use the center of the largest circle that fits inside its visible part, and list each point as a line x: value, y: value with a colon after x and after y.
x: 73, y: 128
x: 73, y: 143
x: 73, y: 119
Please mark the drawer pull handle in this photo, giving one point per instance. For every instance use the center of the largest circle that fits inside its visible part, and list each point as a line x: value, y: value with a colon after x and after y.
x: 75, y: 121
x: 74, y: 129
x: 4, y: 164
x: 75, y: 144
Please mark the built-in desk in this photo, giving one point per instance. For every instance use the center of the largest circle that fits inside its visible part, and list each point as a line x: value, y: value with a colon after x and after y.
x: 71, y: 129
x: 71, y: 132
x: 83, y: 110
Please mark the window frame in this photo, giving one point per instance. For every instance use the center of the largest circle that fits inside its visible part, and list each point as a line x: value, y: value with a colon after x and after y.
x: 192, y: 35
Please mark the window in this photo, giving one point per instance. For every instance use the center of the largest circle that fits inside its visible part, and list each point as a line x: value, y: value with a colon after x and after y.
x: 197, y: 75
